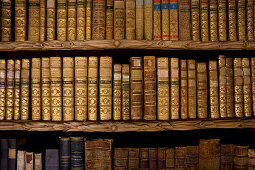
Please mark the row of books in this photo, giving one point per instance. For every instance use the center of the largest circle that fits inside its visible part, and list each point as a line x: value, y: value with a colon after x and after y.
x: 198, y: 20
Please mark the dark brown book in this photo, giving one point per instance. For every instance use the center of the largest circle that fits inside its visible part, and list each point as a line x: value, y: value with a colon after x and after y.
x: 180, y: 158
x: 170, y: 158
x: 226, y: 156
x: 12, y: 159
x: 192, y: 157
x: 162, y: 158
x: 240, y: 157
x: 184, y: 20
x: 144, y: 159
x: 251, y: 159
x: 120, y: 158
x: 51, y: 159
x: 153, y: 154
x: 133, y: 158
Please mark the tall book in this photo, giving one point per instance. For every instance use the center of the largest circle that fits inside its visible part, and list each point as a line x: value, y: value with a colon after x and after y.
x: 119, y: 19
x: 247, y: 87
x: 149, y: 88
x: 222, y: 86
x: 130, y: 19
x: 241, y: 20
x: 162, y: 88
x: 56, y: 88
x: 45, y: 89
x: 125, y: 95
x: 184, y: 20
x: 24, y: 88
x: 16, y: 101
x: 195, y: 21
x: 180, y: 158
x: 2, y: 88
x: 34, y: 20
x: 170, y: 158
x: 183, y: 89
x: 136, y: 88
x: 222, y: 20
x: 51, y: 14
x: 148, y: 19
x: 144, y: 159
x: 68, y: 88
x: 105, y: 88
x: 6, y: 20
x: 240, y: 157
x: 36, y: 88
x: 20, y: 20
x: 153, y: 157
x: 175, y: 88
x: 139, y: 19
x: 162, y: 158
x: 109, y: 19
x: 165, y: 15
x: 92, y: 87
x: 88, y: 19
x: 204, y: 18
x: 229, y: 87
x: 238, y: 88
x: 120, y: 158
x: 71, y: 20
x: 12, y: 159
x: 9, y: 89
x: 52, y: 159
x: 62, y: 20
x: 157, y: 20
x: 250, y: 20
x: 38, y: 161
x: 81, y: 20
x: 213, y: 89
x: 81, y: 88
x: 253, y: 83
x: 226, y: 156
x: 42, y: 19
x: 192, y: 160
x: 232, y: 20
x: 64, y: 153
x: 98, y: 147
x: 21, y: 160
x: 192, y: 88
x: 117, y: 92
x: 175, y: 18
x: 213, y: 15
x: 98, y: 20
x: 77, y: 152
x: 133, y: 158
x: 4, y: 153
x: 251, y: 159
x: 29, y: 161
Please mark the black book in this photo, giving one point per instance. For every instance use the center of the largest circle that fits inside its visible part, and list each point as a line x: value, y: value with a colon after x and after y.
x: 77, y: 152
x: 64, y: 153
x: 12, y: 159
x: 51, y: 159
x: 4, y: 154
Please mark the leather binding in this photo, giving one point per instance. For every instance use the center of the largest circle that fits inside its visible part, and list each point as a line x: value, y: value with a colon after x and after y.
x: 247, y: 87
x: 222, y: 86
x: 120, y: 158
x: 6, y: 20
x: 148, y: 19
x: 119, y: 19
x: 117, y: 92
x: 222, y: 20
x: 34, y: 20
x: 25, y: 86
x: 226, y: 156
x: 153, y: 158
x: 38, y: 161
x: 77, y: 152
x: 130, y: 19
x: 12, y: 159
x: 240, y: 157
x: 36, y: 88
x: 213, y: 15
x: 81, y: 20
x: 149, y: 88
x: 21, y: 160
x: 184, y: 20
x: 162, y: 88
x: 157, y: 20
x: 64, y: 153
x: 45, y: 89
x: 9, y: 89
x: 4, y: 154
x: 229, y: 86
x: 68, y: 88
x: 175, y: 88
x: 88, y: 19
x: 62, y: 20
x: 139, y: 19
x: 56, y: 88
x: 253, y: 83
x: 144, y: 159
x: 183, y: 89
x: 204, y: 19
x: 81, y: 88
x: 136, y: 88
x: 20, y: 20
x: 71, y: 20
x: 52, y: 159
x: 192, y: 95
x: 162, y: 158
x: 250, y: 20
x: 180, y: 158
x: 42, y: 20
x: 133, y: 158
x: 251, y: 159
x: 241, y: 19
x: 92, y: 87
x: 125, y: 98
x: 17, y: 93
x: 105, y: 88
x: 29, y: 161
x: 192, y: 157
x: 165, y: 20
x: 51, y: 14
x: 109, y: 19
x: 174, y: 19
x: 170, y: 158
x: 98, y: 20
x: 195, y: 21
x: 232, y: 20
x: 214, y: 86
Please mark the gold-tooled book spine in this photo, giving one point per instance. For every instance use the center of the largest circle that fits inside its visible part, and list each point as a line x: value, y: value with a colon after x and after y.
x: 71, y: 20
x: 81, y: 20
x: 98, y: 20
x: 229, y: 87
x: 170, y: 158
x: 119, y: 19
x: 2, y: 88
x: 157, y: 20
x: 51, y: 14
x: 165, y: 20
x: 250, y: 20
x: 56, y: 88
x: 36, y: 88
x: 136, y: 88
x: 68, y: 88
x: 213, y: 11
x: 214, y: 86
x: 238, y: 87
x: 247, y: 87
x: 222, y: 86
x: 175, y: 88
x: 62, y: 20
x: 6, y: 20
x: 240, y: 157
x: 34, y: 20
x: 222, y: 20
x: 241, y: 18
x: 130, y: 20
x: 232, y: 20
x: 45, y: 89
x: 139, y: 19
x: 195, y: 24
x: 174, y: 21
x: 149, y: 88
x: 88, y: 19
x: 20, y: 20
x: 148, y: 19
x: 9, y: 89
x: 204, y: 18
x: 105, y: 88
x: 81, y: 87
x: 109, y: 20
x: 92, y: 87
x: 253, y: 83
x: 117, y: 92
x: 184, y: 20
x: 17, y: 68
x: 192, y: 90
x: 162, y: 88
x: 25, y: 83
x: 183, y: 89
x: 125, y: 92
x: 180, y: 158
x: 42, y: 20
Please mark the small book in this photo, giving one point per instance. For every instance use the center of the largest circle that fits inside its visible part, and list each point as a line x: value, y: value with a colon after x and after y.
x: 2, y: 88
x: 238, y: 86
x: 4, y: 153
x: 20, y: 20
x: 180, y: 158
x: 133, y: 158
x: 204, y: 19
x: 62, y: 20
x: 81, y: 20
x: 213, y: 89
x: 17, y: 94
x: 174, y: 88
x: 51, y: 19
x: 161, y: 158
x: 29, y: 161
x: 226, y: 156
x: 144, y: 159
x: 139, y: 19
x: 25, y: 86
x: 77, y: 152
x: 241, y: 19
x: 6, y: 20
x: 109, y: 20
x: 240, y: 157
x: 175, y: 18
x: 12, y: 159
x: 64, y: 153
x: 34, y: 20
x: 88, y: 19
x: 222, y: 20
x: 71, y: 20
x: 184, y: 20
x: 247, y: 87
x: 21, y: 160
x: 222, y: 86
x: 130, y: 20
x: 170, y: 158
x: 153, y: 158
x: 250, y: 19
x: 125, y: 98
x: 229, y: 87
x: 232, y: 25
x: 42, y: 20
x: 192, y: 160
x: 195, y: 20
x: 9, y: 89
x: 51, y: 159
x: 148, y: 19
x: 38, y: 161
x: 117, y: 92
x: 119, y: 19
x: 165, y: 15
x: 157, y: 20
x: 120, y: 158
x: 192, y: 89
x: 98, y: 20
x: 183, y: 89
x: 213, y: 18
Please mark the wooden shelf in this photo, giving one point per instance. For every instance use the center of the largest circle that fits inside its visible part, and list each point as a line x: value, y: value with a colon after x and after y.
x: 121, y: 126
x: 125, y: 44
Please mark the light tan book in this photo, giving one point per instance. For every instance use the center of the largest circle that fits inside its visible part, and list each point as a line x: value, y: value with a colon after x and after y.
x: 214, y: 86
x: 204, y: 19
x: 109, y: 19
x: 222, y: 20
x: 241, y: 19
x: 71, y: 20
x: 229, y: 87
x: 174, y: 18
x: 165, y: 20
x: 192, y: 95
x: 20, y: 20
x: 130, y: 20
x: 6, y: 20
x: 119, y: 19
x: 117, y: 92
x: 238, y: 88
x: 98, y: 20
x: 88, y: 19
x: 148, y: 19
x: 62, y: 20
x: 9, y: 89
x: 157, y: 20
x: 222, y: 86
x: 253, y: 83
x: 38, y: 161
x: 2, y: 88
x: 184, y: 20
x: 139, y: 19
x: 183, y: 89
x: 213, y: 15
x: 51, y: 14
x: 174, y: 88
x: 250, y: 20
x: 25, y: 85
x: 195, y: 21
x: 232, y: 20
x: 21, y: 160
x: 125, y: 92
x: 247, y: 87
x: 34, y: 20
x: 42, y: 19
x: 81, y: 20
x: 17, y: 94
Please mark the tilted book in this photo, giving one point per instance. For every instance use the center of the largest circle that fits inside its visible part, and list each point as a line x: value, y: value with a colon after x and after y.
x: 170, y: 158
x: 241, y: 19
x: 71, y: 20
x: 119, y: 19
x: 98, y: 20
x: 192, y: 89
x: 88, y: 19
x: 184, y: 20
x: 222, y: 20
x: 153, y: 157
x: 165, y: 6
x: 125, y: 96
x: 251, y: 159
x: 238, y: 88
x: 120, y: 158
x: 38, y: 161
x: 139, y: 19
x: 24, y: 88
x: 180, y: 158
x: 213, y: 89
x: 226, y: 156
x: 20, y: 20
x: 51, y: 159
x: 162, y: 158
x: 133, y: 158
x: 148, y: 19
x: 253, y: 83
x: 62, y: 20
x: 157, y: 20
x: 117, y: 92
x: 17, y: 93
x: 4, y: 153
x: 109, y: 24
x: 9, y: 89
x: 130, y: 20
x: 232, y: 20
x: 21, y: 160
x: 34, y: 20
x: 29, y: 161
x: 192, y: 159
x: 42, y: 20
x: 77, y: 153
x: 144, y: 159
x: 175, y: 18
x: 250, y: 20
x: 6, y: 20
x: 195, y: 20
x: 51, y: 19
x: 213, y: 15
x: 64, y: 153
x: 174, y: 88
x: 183, y: 89
x: 247, y: 87
x: 240, y: 157
x: 12, y: 159
x: 204, y: 19
x: 229, y: 84
x: 222, y: 86
x: 81, y: 20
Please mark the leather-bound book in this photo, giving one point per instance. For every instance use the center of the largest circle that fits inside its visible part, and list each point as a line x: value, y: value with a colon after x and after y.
x: 77, y: 153
x: 174, y: 19
x: 229, y: 86
x: 105, y: 88
x: 180, y: 158
x: 133, y: 158
x: 240, y: 157
x: 98, y: 20
x: 183, y: 89
x: 25, y: 86
x: 34, y: 20
x: 4, y: 154
x: 98, y: 154
x: 184, y: 20
x: 162, y: 88
x: 144, y: 159
x: 247, y: 87
x: 120, y: 158
x: 226, y: 156
x: 12, y: 159
x: 51, y: 19
x: 213, y: 15
x: 109, y: 24
x: 174, y: 88
x: 192, y: 89
x: 119, y: 19
x: 192, y: 157
x: 232, y: 10
x: 157, y: 20
x: 71, y: 20
x: 81, y: 20
x: 20, y: 20
x: 64, y: 153
x: 241, y: 19
x: 29, y: 161
x: 52, y: 159
x: 170, y: 158
x: 253, y: 83
x: 6, y: 20
x: 213, y: 89
x: 81, y: 88
x: 195, y: 20
x: 251, y: 159
x: 125, y: 98
x: 16, y: 101
x: 139, y: 19
x: 222, y: 86
x: 153, y: 158
x: 117, y: 92
x: 209, y: 154
x: 130, y: 20
x: 2, y: 88
x: 222, y: 20
x: 250, y: 20
x: 9, y: 89
x: 38, y: 161
x: 88, y: 19
x: 62, y: 20
x: 204, y: 19
x: 42, y: 20
x: 148, y: 19
x: 162, y: 158
x: 165, y: 20
x: 136, y: 88
x: 21, y: 160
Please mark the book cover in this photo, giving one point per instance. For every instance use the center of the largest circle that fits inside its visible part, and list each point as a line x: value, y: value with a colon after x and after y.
x: 162, y: 158
x: 88, y: 19
x: 77, y: 152
x: 51, y: 19
x: 251, y: 159
x: 144, y: 159
x: 240, y: 157
x: 222, y: 86
x: 238, y: 88
x: 229, y: 87
x: 12, y: 159
x: 153, y: 158
x: 81, y: 20
x: 175, y: 18
x: 165, y: 19
x: 9, y: 89
x: 180, y: 158
x: 21, y: 160
x: 157, y: 20
x: 117, y: 92
x: 121, y: 158
x: 250, y: 20
x: 52, y: 159
x: 130, y: 19
x: 6, y: 20
x: 247, y: 87
x: 119, y: 19
x: 253, y: 83
x: 139, y: 19
x: 4, y: 154
x: 29, y: 161
x: 34, y: 20
x: 192, y: 157
x: 62, y: 20
x: 148, y: 19
x: 241, y: 19
x: 232, y: 20
x: 71, y: 20
x: 174, y: 88
x: 109, y: 19
x: 64, y: 153
x: 170, y: 158
x: 42, y: 19
x: 125, y: 96
x: 98, y: 20
x: 38, y: 161
x: 195, y: 20
x: 222, y: 20
x: 226, y: 156
x: 183, y: 89
x: 133, y: 158
x: 24, y: 88
x: 20, y: 20
x: 204, y: 19
x: 213, y: 89
x: 17, y: 94
x: 213, y: 15
x: 184, y: 20
x: 192, y: 89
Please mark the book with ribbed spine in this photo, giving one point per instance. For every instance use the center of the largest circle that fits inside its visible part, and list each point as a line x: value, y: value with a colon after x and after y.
x: 98, y: 20
x: 226, y: 156
x: 12, y: 159
x: 71, y: 20
x: 38, y: 161
x: 125, y: 96
x: 88, y: 19
x: 184, y: 20
x: 201, y: 90
x: 144, y: 158
x: 6, y: 20
x: 120, y: 158
x: 64, y: 153
x: 162, y: 88
x: 20, y: 20
x: 9, y: 89
x: 213, y: 15
x: 253, y: 83
x: 240, y: 160
x: 81, y: 20
x: 165, y: 14
x: 24, y: 88
x: 42, y: 19
x: 192, y: 159
x: 229, y: 87
x: 130, y: 20
x: 192, y: 97
x: 183, y: 89
x: 238, y: 88
x: 62, y: 20
x: 170, y: 158
x: 213, y: 89
x: 34, y: 20
x: 117, y: 92
x: 157, y: 20
x: 133, y: 158
x: 195, y: 22
x: 29, y: 160
x: 222, y: 86
x: 204, y: 19
x: 148, y: 19
x: 250, y: 20
x: 51, y: 19
x: 247, y: 87
x: 232, y: 25
x: 175, y: 18
x: 139, y: 19
x: 251, y: 159
x: 153, y: 158
x: 162, y: 158
x: 51, y: 159
x: 109, y: 24
x: 16, y: 101
x: 241, y: 19
x: 77, y: 152
x: 119, y: 19
x: 174, y: 88
x: 180, y: 158
x: 21, y: 160
x: 222, y: 20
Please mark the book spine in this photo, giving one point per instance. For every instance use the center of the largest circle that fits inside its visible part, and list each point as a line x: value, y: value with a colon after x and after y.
x: 174, y: 89
x: 251, y: 159
x: 6, y: 20
x: 250, y: 20
x: 9, y: 89
x: 92, y: 87
x: 109, y: 19
x: 226, y: 156
x: 20, y: 20
x: 120, y: 158
x: 125, y: 92
x: 42, y: 20
x: 148, y: 20
x: 71, y: 20
x: 175, y: 18
x: 117, y: 92
x: 77, y: 152
x: 119, y: 19
x: 184, y: 20
x: 98, y: 20
x: 153, y: 157
x: 222, y: 86
x: 214, y: 86
x: 165, y: 20
x: 88, y: 19
x: 38, y: 161
x: 81, y: 88
x: 180, y: 158
x: 232, y: 20
x: 253, y: 83
x: 213, y: 11
x: 81, y: 20
x: 149, y: 88
x: 68, y: 88
x: 56, y: 88
x: 162, y: 158
x: 192, y: 96
x: 204, y: 17
x: 247, y: 87
x: 29, y: 161
x: 170, y: 158
x: 130, y: 19
x: 162, y: 88
x: 51, y: 14
x: 240, y: 157
x: 136, y: 87
x: 25, y: 85
x: 64, y: 153
x: 184, y: 89
x: 133, y: 158
x: 45, y: 89
x: 34, y: 20
x: 238, y: 87
x: 17, y: 94
x: 12, y: 155
x: 241, y: 18
x: 229, y: 87
x: 62, y: 20
x: 144, y: 159
x: 105, y: 88
x: 20, y: 160
x: 157, y: 20
x: 52, y: 159
x: 192, y: 157
x: 139, y: 19
x: 4, y: 154
x: 195, y: 24
x: 222, y: 20
x: 36, y: 88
